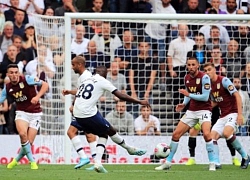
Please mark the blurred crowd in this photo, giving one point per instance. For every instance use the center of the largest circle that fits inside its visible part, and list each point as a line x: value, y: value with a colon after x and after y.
x: 145, y: 60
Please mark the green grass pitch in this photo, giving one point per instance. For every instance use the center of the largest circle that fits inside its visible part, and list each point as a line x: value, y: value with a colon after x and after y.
x: 123, y: 172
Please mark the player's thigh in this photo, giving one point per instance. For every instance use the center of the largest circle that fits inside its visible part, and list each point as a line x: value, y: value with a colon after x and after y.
x: 189, y: 118
x: 181, y: 129
x: 22, y: 122
x: 193, y: 132
x: 203, y: 116
x: 34, y: 120
x: 90, y: 137
x: 219, y: 126
x: 231, y: 124
x: 72, y: 131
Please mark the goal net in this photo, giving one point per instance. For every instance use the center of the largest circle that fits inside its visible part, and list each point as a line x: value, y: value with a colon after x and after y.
x: 149, y: 51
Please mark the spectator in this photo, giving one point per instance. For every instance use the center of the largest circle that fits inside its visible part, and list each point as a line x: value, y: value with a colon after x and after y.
x: 10, y: 14
x: 43, y: 67
x: 122, y: 120
x: 155, y: 32
x: 29, y: 39
x: 192, y: 7
x: 215, y: 39
x: 219, y: 63
x: 118, y: 80
x: 125, y: 53
x: 140, y: 7
x: 106, y: 42
x: 2, y: 21
x: 231, y: 6
x: 199, y: 50
x: 10, y: 58
x: 6, y: 37
x: 18, y: 23
x: 32, y: 6
x: 97, y: 7
x: 216, y: 5
x: 243, y: 130
x: 176, y: 63
x: 146, y: 123
x: 235, y: 63
x: 95, y: 58
x: 66, y: 7
x: 119, y: 6
x: 49, y: 27
x: 142, y: 75
x: 22, y: 55
x: 223, y: 34
x: 79, y: 43
x: 244, y: 97
x: 245, y: 80
x: 242, y: 36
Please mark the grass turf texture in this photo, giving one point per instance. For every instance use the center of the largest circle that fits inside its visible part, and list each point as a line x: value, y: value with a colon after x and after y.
x: 123, y: 172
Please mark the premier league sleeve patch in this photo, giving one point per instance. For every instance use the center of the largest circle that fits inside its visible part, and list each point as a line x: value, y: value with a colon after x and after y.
x: 207, y: 86
x: 36, y: 79
x: 230, y: 87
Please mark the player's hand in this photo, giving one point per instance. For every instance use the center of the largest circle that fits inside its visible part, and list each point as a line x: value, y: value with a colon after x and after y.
x: 34, y: 100
x: 184, y: 92
x: 240, y: 119
x: 144, y: 102
x: 65, y: 92
x: 179, y: 107
x: 71, y: 109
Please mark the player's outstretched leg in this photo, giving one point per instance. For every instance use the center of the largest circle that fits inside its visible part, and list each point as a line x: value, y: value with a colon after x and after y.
x: 28, y: 152
x: 235, y: 160
x: 99, y: 168
x: 12, y: 164
x: 15, y: 161
x: 237, y: 145
x: 131, y: 150
x: 167, y: 164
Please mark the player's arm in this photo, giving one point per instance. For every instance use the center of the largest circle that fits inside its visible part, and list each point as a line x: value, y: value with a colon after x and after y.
x: 67, y: 92
x: 186, y: 100
x: 206, y: 87
x: 3, y: 96
x: 227, y: 84
x: 36, y: 81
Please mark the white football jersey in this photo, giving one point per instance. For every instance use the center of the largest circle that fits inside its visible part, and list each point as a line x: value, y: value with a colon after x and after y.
x: 84, y: 75
x: 88, y: 95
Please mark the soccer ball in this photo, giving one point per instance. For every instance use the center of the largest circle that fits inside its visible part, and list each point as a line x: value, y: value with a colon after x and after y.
x: 162, y: 150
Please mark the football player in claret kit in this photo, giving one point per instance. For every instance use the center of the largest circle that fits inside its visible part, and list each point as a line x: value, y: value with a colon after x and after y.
x: 28, y: 112
x: 198, y: 87
x: 226, y: 96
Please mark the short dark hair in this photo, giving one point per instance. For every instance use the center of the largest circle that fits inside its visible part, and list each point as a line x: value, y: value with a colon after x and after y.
x: 144, y: 106
x: 80, y: 59
x: 12, y: 66
x: 193, y: 58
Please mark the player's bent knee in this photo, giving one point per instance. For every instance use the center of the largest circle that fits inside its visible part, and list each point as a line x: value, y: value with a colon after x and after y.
x: 207, y: 136
x: 176, y: 136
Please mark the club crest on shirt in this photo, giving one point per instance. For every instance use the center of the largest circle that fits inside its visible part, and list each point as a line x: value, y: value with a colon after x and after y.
x: 218, y: 85
x: 198, y: 81
x: 21, y: 85
x: 230, y: 87
x: 207, y: 86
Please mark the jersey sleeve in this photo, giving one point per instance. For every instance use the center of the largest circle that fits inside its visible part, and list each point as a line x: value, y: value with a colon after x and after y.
x: 206, y: 88
x: 3, y: 95
x: 108, y: 86
x: 227, y: 84
x: 31, y: 80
